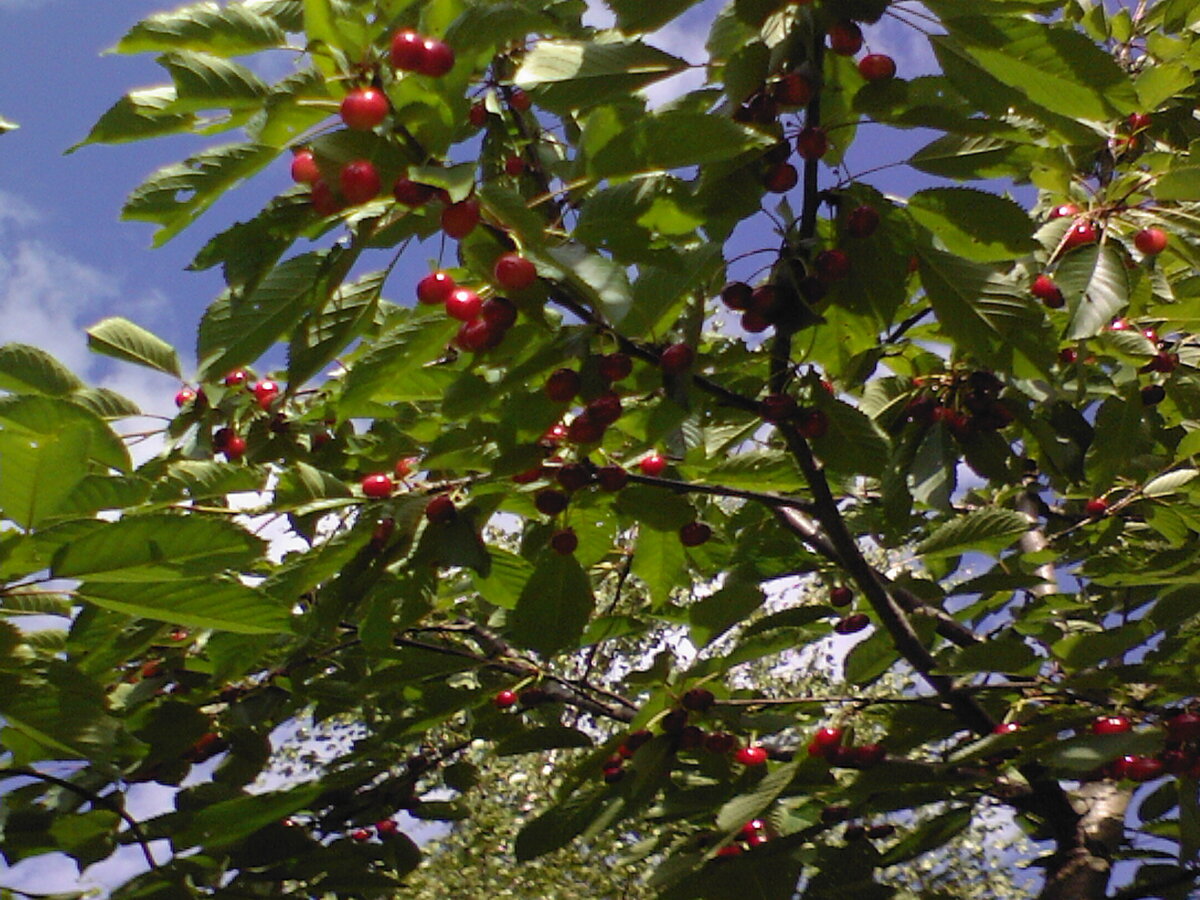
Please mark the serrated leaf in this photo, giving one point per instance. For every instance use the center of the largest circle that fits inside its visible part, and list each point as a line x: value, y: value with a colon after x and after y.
x: 758, y: 470
x: 38, y: 472
x: 974, y: 224
x: 139, y: 115
x: 1095, y: 285
x: 231, y: 30
x: 203, y: 81
x: 576, y: 74
x: 548, y: 737
x: 554, y: 606
x: 602, y: 281
x: 25, y: 369
x: 1170, y: 482
x: 1181, y: 184
x: 853, y: 443
x: 1091, y: 751
x: 929, y: 835
x: 659, y: 561
x: 741, y: 809
x: 326, y: 333
x: 637, y: 16
x: 982, y: 530
x: 558, y: 826
x: 124, y: 340
x: 196, y: 602
x: 38, y: 416
x: 675, y: 139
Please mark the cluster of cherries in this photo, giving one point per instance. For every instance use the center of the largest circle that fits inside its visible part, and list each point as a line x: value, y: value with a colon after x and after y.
x: 827, y: 744
x: 841, y: 597
x: 753, y: 834
x: 484, y: 322
x: 385, y: 828
x: 1180, y: 755
x: 226, y: 440
x: 967, y: 406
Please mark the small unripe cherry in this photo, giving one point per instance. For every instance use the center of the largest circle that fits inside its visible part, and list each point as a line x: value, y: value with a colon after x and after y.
x: 435, y: 288
x: 463, y: 304
x: 862, y: 221
x: 615, y: 366
x: 377, y: 486
x: 304, y: 166
x: 845, y: 38
x: 1151, y: 241
x: 564, y: 542
x: 436, y: 59
x: 514, y: 272
x: 653, y: 465
x: 364, y: 108
x: 812, y: 143
x: 751, y: 756
x: 359, y: 181
x: 676, y: 358
x: 693, y: 534
x: 407, y: 50
x: 440, y: 510
x: 504, y: 699
x: 877, y: 67
x: 459, y: 219
x: 563, y: 385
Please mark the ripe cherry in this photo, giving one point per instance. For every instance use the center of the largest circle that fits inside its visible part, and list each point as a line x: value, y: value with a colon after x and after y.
x: 1006, y: 728
x: 1151, y: 241
x: 877, y: 67
x: 754, y: 322
x: 235, y: 447
x: 1111, y: 725
x: 781, y: 178
x: 550, y: 502
x: 364, y: 108
x: 463, y: 304
x: 720, y: 742
x: 412, y: 193
x: 1047, y: 291
x: 841, y: 596
x: 265, y: 393
x: 519, y: 100
x: 440, y: 510
x: 812, y: 423
x: 676, y: 358
x: 845, y: 38
x: 505, y: 699
x: 852, y: 624
x: 407, y: 51
x: 573, y: 476
x: 832, y: 265
x: 615, y: 366
x: 1064, y: 210
x: 1153, y: 394
x: 237, y: 378
x: 793, y: 89
x: 499, y: 313
x: 698, y: 699
x: 777, y: 407
x: 437, y: 58
x: 377, y: 486
x: 1184, y: 726
x: 563, y: 385
x: 611, y: 478
x: 386, y: 827
x: 751, y: 756
x: 585, y: 429
x: 605, y: 409
x: 862, y: 221
x: 736, y: 295
x: 564, y: 541
x: 867, y: 755
x: 435, y: 288
x: 653, y: 465
x: 812, y: 143
x: 514, y: 165
x: 323, y: 199
x: 361, y: 834
x: 693, y: 534
x: 729, y: 851
x: 477, y: 115
x: 1082, y: 232
x: 1138, y: 121
x: 459, y: 219
x: 825, y: 741
x: 514, y: 272
x: 359, y: 181
x: 304, y: 166
x: 476, y: 336
x: 1095, y: 507
x: 184, y: 397
x: 1143, y: 768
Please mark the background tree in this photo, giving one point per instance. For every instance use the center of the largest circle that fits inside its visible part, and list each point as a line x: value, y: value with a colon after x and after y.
x: 972, y: 423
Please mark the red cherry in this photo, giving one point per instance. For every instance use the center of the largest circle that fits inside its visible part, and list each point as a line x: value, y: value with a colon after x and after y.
x: 845, y: 38
x: 1047, y: 291
x: 698, y: 699
x: 1153, y: 394
x: 555, y: 434
x: 477, y: 114
x: 812, y: 423
x: 867, y: 755
x: 676, y: 358
x: 653, y: 465
x: 564, y: 542
x: 777, y: 407
x: 384, y: 529
x: 753, y: 827
x: 235, y: 447
x: 793, y: 89
x: 1095, y: 508
x: 751, y: 756
x: 378, y: 486
x: 403, y: 467
x: 361, y: 834
x: 729, y: 851
x: 1111, y: 725
x: 720, y: 742
x: 514, y: 165
x: 440, y: 510
x: 1064, y: 210
x: 514, y: 272
x: 781, y: 178
x: 693, y: 534
x: 476, y: 336
x: 499, y: 313
x: 550, y: 502
x: 605, y: 409
x: 754, y: 323
x: 387, y: 827
x: 323, y: 200
x: 877, y: 67
x: 563, y: 385
x: 407, y: 51
x: 364, y: 108
x: 463, y: 304
x: 304, y: 166
x: 1138, y: 121
x: 585, y: 429
x: 812, y: 143
x: 1082, y: 232
x: 1184, y: 727
x: 436, y: 60
x: 505, y: 700
x: 736, y: 295
x: 574, y: 476
x: 265, y: 393
x: 519, y: 100
x: 237, y: 378
x: 1006, y: 728
x: 1118, y: 325
x: 825, y: 741
x: 184, y: 397
x: 1068, y: 355
x: 1143, y: 768
x: 435, y: 288
x: 611, y: 478
x: 852, y: 624
x: 412, y: 193
x: 359, y: 181
x: 615, y: 366
x: 841, y: 596
x: 764, y: 300
x: 832, y: 265
x: 862, y: 221
x: 1151, y: 241
x: 460, y: 219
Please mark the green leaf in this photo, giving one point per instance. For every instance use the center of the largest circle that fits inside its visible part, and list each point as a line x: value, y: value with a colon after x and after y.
x: 674, y: 139
x: 203, y: 81
x: 637, y: 16
x: 554, y: 606
x: 1181, y: 184
x: 38, y: 416
x: 25, y: 369
x: 194, y: 602
x: 39, y: 472
x: 974, y: 224
x: 549, y: 737
x: 139, y: 115
x: 1090, y: 751
x: 853, y: 443
x: 929, y: 835
x: 327, y: 332
x: 1095, y: 285
x: 124, y: 340
x: 602, y: 281
x: 757, y: 470
x: 982, y: 530
x: 558, y: 825
x: 1170, y: 482
x: 233, y: 30
x: 174, y: 196
x: 221, y: 824
x: 659, y: 561
x: 741, y: 809
x: 577, y: 75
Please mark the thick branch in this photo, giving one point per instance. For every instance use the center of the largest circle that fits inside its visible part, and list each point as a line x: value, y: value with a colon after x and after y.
x: 1081, y: 872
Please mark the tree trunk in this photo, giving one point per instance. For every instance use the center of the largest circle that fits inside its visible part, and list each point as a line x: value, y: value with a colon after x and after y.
x: 1081, y: 871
